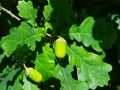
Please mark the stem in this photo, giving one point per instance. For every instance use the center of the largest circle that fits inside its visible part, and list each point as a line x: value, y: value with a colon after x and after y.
x: 10, y: 13
x: 24, y: 66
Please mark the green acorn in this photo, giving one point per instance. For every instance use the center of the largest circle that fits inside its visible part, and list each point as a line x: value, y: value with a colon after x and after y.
x: 33, y: 74
x: 60, y: 47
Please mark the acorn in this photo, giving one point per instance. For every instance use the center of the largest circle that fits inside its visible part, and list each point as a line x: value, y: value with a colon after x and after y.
x: 60, y: 47
x: 33, y: 74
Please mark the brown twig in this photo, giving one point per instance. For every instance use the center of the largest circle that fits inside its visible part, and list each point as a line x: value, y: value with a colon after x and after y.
x: 11, y: 14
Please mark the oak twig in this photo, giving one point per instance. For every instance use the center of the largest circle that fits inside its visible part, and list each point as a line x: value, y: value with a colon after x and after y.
x: 11, y: 14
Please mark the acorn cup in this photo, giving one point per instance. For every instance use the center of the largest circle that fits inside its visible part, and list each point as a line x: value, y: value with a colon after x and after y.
x: 33, y: 74
x: 60, y: 47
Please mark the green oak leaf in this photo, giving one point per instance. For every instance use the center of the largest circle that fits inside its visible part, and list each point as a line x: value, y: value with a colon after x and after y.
x: 45, y: 63
x: 9, y: 77
x: 2, y: 56
x: 24, y: 34
x: 47, y: 11
x: 2, y: 53
x: 27, y: 11
x: 66, y: 80
x: 84, y: 33
x: 17, y: 83
x: 90, y: 66
x: 29, y: 85
x: 0, y: 8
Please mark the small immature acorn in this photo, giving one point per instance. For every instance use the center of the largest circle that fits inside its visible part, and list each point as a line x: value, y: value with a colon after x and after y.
x: 33, y: 74
x: 60, y: 47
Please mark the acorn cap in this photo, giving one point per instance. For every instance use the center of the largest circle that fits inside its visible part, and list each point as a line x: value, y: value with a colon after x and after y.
x: 61, y: 39
x: 28, y: 70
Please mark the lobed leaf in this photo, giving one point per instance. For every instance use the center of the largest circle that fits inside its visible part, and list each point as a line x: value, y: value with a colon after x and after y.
x: 17, y: 85
x: 90, y: 66
x: 27, y: 11
x: 45, y: 62
x: 47, y: 11
x: 84, y: 33
x: 9, y: 77
x: 28, y: 85
x: 24, y: 34
x: 66, y: 80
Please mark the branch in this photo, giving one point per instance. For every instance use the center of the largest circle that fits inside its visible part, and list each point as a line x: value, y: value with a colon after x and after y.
x: 10, y: 13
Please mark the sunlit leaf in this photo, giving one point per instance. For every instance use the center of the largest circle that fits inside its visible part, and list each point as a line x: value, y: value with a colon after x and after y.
x: 27, y: 11
x: 9, y: 77
x: 24, y: 34
x: 47, y: 11
x: 29, y: 85
x: 45, y: 62
x: 66, y: 80
x: 90, y: 66
x: 17, y: 85
x: 84, y: 33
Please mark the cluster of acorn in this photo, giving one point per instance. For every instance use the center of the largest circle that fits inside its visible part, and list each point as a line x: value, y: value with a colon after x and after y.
x: 60, y: 52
